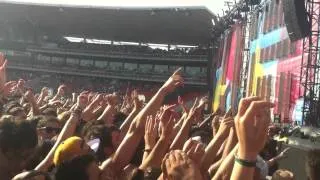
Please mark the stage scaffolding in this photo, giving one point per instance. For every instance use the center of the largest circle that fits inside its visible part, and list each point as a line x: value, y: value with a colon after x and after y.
x: 310, y: 69
x: 246, y: 52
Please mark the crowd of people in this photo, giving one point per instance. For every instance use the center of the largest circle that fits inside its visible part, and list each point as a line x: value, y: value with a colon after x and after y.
x: 194, y: 52
x: 95, y: 135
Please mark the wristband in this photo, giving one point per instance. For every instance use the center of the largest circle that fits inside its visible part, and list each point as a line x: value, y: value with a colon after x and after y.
x: 244, y: 162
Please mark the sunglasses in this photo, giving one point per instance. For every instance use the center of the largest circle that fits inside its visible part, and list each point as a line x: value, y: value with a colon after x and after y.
x: 51, y: 129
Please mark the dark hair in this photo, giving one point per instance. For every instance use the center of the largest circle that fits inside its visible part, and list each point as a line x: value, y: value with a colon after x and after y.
x: 10, y: 105
x: 313, y: 164
x: 88, y: 126
x: 50, y: 112
x: 204, y: 133
x: 119, y: 118
x: 45, y: 120
x: 104, y: 133
x: 39, y: 154
x: 75, y: 168
x: 17, y: 135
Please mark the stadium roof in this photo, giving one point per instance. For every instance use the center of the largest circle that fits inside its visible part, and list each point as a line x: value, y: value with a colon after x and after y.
x: 181, y: 25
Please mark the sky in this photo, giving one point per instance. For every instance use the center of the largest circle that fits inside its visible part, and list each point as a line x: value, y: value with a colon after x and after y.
x: 214, y: 5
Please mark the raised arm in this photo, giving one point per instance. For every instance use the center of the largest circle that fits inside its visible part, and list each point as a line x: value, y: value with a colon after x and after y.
x: 277, y: 158
x: 44, y: 93
x: 67, y: 131
x: 183, y: 133
x: 128, y: 146
x: 126, y: 124
x: 227, y: 161
x: 215, y: 144
x: 3, y: 69
x: 59, y: 94
x: 150, y: 136
x: 106, y: 116
x: 225, y: 168
x: 251, y: 124
x: 34, y: 106
x: 88, y: 112
x: 160, y: 149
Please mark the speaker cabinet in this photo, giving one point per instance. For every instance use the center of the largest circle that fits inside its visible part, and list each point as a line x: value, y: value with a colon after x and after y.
x: 296, y: 19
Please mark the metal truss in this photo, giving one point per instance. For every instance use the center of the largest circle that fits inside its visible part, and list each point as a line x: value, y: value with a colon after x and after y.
x: 310, y: 69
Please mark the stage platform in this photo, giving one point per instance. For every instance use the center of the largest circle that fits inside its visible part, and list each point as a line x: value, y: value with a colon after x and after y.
x: 297, y: 155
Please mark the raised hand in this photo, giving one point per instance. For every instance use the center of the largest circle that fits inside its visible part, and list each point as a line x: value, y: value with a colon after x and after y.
x: 151, y: 133
x: 173, y: 82
x: 283, y: 154
x: 112, y: 99
x: 3, y: 68
x: 21, y: 84
x: 204, y: 100
x: 82, y: 100
x: 45, y: 91
x: 166, y: 123
x: 215, y: 125
x: 225, y: 127
x: 137, y: 104
x: 195, y: 150
x: 194, y: 112
x: 9, y: 88
x: 180, y: 101
x: 56, y: 103
x: 177, y: 165
x: 228, y: 113
x: 61, y: 90
x: 29, y: 96
x: 193, y: 109
x: 251, y: 124
x: 182, y: 104
x: 98, y: 98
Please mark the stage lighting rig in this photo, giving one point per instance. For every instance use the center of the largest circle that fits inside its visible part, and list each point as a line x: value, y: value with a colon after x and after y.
x: 237, y: 11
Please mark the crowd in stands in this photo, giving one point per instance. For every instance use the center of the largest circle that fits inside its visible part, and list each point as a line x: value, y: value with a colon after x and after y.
x: 136, y: 50
x: 104, y: 135
x: 159, y: 72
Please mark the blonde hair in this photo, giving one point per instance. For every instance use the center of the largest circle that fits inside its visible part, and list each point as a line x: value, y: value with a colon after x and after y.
x: 282, y: 174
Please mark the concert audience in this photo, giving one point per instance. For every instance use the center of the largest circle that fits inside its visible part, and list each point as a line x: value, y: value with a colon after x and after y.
x: 95, y: 135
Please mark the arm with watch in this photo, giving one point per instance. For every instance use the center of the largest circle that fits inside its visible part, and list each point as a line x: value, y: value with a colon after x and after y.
x: 251, y: 125
x: 157, y: 153
x: 128, y: 146
x: 150, y: 136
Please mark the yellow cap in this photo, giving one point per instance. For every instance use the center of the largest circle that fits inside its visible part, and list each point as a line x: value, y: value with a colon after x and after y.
x: 67, y: 150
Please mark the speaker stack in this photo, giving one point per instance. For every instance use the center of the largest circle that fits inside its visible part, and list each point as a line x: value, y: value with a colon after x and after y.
x: 296, y: 19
